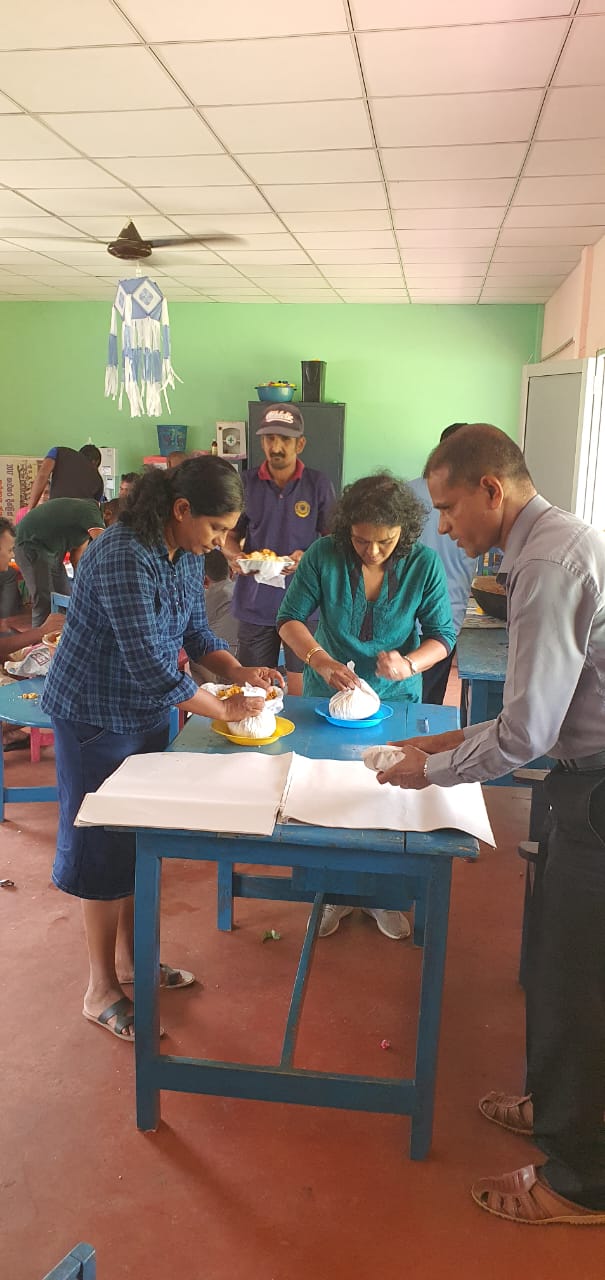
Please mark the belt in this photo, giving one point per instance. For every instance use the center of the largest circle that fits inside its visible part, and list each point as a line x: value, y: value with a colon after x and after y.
x: 584, y: 764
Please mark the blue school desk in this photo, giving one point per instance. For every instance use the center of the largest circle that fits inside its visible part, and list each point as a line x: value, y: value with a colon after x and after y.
x: 375, y: 868
x: 15, y: 709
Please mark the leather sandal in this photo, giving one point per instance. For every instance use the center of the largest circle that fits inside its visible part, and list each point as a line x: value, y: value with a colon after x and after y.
x: 523, y: 1196
x: 509, y: 1111
x: 170, y: 979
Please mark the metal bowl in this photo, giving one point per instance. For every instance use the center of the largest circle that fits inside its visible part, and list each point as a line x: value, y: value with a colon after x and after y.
x: 490, y: 596
x: 277, y: 395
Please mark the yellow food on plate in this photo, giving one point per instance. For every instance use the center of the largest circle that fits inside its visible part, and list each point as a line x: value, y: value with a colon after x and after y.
x: 265, y: 554
x: 234, y: 689
x: 52, y: 637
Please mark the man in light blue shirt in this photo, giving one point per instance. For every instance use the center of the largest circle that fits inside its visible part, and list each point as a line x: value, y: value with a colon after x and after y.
x: 459, y: 571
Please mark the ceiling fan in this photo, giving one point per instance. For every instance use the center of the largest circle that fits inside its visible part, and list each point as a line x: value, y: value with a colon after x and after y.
x: 130, y: 246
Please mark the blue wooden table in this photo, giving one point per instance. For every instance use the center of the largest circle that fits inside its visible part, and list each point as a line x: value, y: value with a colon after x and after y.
x: 15, y: 709
x: 482, y: 656
x: 381, y: 868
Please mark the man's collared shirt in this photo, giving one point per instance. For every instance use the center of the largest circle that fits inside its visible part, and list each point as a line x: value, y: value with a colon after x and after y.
x: 131, y: 612
x: 554, y: 693
x: 283, y: 520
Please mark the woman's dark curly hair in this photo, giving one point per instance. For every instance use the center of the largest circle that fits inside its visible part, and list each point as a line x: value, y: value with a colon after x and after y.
x: 380, y: 499
x: 211, y: 486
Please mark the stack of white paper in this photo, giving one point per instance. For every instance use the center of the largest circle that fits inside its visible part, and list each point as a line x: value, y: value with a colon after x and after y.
x: 191, y: 791
x: 343, y: 793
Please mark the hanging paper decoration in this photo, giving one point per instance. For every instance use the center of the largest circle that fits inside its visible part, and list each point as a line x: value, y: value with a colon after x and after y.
x: 146, y: 369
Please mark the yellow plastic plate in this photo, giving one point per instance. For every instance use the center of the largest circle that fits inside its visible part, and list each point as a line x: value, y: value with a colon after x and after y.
x: 284, y: 727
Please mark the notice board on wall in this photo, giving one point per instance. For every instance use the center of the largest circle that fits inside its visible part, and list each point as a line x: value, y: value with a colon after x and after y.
x: 17, y: 475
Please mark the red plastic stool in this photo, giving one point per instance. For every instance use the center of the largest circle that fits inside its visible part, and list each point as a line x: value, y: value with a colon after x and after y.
x: 39, y: 738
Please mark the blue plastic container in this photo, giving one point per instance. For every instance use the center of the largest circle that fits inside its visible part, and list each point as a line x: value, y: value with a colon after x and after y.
x: 276, y: 395
x: 171, y: 438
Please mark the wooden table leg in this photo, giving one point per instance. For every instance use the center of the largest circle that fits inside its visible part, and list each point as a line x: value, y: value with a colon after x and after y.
x: 147, y: 984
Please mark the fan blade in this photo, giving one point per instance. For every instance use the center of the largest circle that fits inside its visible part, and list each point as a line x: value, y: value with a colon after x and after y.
x: 163, y: 242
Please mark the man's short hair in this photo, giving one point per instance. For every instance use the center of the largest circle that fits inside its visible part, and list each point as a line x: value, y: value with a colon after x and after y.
x: 128, y: 477
x: 453, y: 427
x: 6, y: 526
x: 91, y: 452
x: 475, y: 450
x: 216, y: 566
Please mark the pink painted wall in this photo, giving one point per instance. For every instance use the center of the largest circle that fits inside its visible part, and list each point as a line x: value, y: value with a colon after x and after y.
x: 574, y: 318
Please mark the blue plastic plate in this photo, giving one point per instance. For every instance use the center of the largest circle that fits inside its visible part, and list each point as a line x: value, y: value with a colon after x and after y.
x: 384, y: 712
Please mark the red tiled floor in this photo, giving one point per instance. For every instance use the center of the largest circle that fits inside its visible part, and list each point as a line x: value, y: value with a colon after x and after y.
x: 233, y: 1190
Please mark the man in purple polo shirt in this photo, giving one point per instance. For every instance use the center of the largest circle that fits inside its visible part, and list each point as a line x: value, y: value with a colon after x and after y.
x: 287, y: 506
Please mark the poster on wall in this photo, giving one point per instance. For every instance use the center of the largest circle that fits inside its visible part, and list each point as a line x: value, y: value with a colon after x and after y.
x: 17, y: 474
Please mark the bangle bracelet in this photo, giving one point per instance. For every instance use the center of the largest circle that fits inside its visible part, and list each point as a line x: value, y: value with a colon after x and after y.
x: 425, y: 767
x: 316, y: 649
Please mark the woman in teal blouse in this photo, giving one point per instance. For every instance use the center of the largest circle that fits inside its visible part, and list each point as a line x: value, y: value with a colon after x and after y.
x: 372, y: 583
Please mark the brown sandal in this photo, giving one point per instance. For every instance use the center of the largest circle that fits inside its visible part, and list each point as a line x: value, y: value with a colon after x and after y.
x: 509, y: 1111
x: 523, y: 1196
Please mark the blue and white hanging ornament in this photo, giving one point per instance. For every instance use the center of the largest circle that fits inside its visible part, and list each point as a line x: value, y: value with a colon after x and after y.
x: 145, y: 371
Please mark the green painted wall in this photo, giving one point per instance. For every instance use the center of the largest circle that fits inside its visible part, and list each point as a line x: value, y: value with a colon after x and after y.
x: 404, y: 372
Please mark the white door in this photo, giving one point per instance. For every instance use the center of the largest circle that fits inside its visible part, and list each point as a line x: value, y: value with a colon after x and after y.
x: 556, y: 412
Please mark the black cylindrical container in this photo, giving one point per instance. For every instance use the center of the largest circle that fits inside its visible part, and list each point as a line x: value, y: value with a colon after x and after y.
x: 313, y: 379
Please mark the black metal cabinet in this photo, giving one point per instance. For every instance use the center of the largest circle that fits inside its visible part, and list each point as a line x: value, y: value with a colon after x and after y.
x: 324, y: 432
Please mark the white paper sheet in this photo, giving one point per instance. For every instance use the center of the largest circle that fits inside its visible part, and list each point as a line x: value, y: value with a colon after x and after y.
x: 192, y: 791
x: 343, y: 793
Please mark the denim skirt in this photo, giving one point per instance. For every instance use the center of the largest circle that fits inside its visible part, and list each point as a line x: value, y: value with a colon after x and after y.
x: 92, y: 862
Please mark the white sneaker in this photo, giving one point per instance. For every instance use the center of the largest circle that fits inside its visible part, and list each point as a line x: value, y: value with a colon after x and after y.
x: 392, y: 923
x: 331, y: 917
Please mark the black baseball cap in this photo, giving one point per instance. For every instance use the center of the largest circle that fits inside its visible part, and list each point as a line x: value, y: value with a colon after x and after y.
x: 281, y: 420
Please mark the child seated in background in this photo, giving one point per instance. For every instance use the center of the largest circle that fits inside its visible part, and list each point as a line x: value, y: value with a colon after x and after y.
x: 218, y: 585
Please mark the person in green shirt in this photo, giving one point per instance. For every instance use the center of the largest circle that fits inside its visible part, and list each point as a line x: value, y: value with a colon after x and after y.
x: 372, y: 582
x: 43, y: 539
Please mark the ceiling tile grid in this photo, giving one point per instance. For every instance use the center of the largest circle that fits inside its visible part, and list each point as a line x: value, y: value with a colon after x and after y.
x: 388, y: 151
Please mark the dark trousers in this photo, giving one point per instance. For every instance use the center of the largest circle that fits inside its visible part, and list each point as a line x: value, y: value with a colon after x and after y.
x: 43, y: 573
x: 434, y: 681
x: 566, y: 989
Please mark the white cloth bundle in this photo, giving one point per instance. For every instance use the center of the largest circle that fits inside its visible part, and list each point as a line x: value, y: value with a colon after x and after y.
x: 354, y: 704
x: 270, y: 572
x: 261, y: 726
x: 380, y: 758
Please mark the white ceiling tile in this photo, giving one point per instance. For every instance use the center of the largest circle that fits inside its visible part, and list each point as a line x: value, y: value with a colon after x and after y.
x: 176, y: 132
x: 550, y: 235
x: 589, y: 189
x: 538, y: 253
x: 107, y: 226
x: 355, y: 257
x: 21, y: 206
x: 7, y: 107
x: 583, y: 61
x: 215, y: 200
x: 312, y: 240
x: 591, y: 6
x: 24, y: 139
x: 325, y: 196
x: 10, y: 256
x: 362, y: 283
x: 205, y: 273
x: 119, y: 200
x: 176, y: 171
x: 251, y: 257
x: 339, y: 220
x: 556, y: 215
x: 457, y: 236
x: 445, y: 195
x: 234, y: 223
x: 282, y: 240
x: 498, y: 160
x: 13, y: 228
x: 360, y: 270
x: 192, y: 20
x: 313, y: 166
x: 290, y: 284
x: 553, y: 158
x: 304, y: 126
x: 511, y: 269
x: 227, y: 73
x: 29, y: 175
x: 573, y: 113
x: 421, y: 219
x: 304, y: 295
x: 273, y: 271
x: 372, y: 14
x: 444, y: 297
x: 40, y: 25
x: 87, y: 80
x: 525, y: 281
x: 441, y: 270
x: 461, y: 59
x: 445, y: 119
x: 479, y: 254
x: 514, y: 299
x: 375, y: 295
x: 325, y: 298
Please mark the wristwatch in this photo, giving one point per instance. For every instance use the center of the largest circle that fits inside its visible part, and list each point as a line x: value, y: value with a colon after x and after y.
x: 411, y: 665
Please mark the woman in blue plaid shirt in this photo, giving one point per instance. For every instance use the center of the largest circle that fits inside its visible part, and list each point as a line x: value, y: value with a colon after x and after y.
x: 138, y: 599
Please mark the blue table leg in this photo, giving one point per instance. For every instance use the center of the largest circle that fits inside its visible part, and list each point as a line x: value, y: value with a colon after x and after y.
x: 479, y: 690
x: 1, y: 780
x: 224, y: 901
x: 420, y: 916
x: 147, y: 984
x: 433, y: 967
